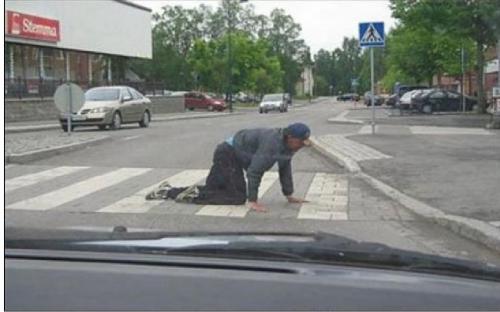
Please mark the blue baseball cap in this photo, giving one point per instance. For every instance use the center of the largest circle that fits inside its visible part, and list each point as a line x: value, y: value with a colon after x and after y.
x: 300, y: 131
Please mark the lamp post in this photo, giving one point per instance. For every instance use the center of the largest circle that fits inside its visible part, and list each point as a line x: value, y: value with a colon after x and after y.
x: 229, y: 54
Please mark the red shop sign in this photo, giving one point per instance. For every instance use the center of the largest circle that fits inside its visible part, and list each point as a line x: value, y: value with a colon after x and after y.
x: 32, y: 27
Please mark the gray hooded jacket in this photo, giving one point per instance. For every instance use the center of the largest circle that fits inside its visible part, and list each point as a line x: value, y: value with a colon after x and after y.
x: 257, y: 151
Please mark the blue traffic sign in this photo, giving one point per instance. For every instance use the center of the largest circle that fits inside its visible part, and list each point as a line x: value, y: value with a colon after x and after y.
x: 371, y: 34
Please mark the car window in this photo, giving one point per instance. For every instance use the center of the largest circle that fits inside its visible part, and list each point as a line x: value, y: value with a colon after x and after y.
x: 102, y: 94
x: 272, y: 97
x: 438, y: 95
x: 126, y: 93
x: 135, y: 94
x: 253, y: 116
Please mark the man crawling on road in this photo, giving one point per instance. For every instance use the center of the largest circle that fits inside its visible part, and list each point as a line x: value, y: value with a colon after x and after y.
x: 252, y: 150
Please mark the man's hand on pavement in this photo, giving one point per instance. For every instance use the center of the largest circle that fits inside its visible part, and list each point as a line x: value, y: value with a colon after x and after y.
x: 257, y: 207
x: 294, y: 200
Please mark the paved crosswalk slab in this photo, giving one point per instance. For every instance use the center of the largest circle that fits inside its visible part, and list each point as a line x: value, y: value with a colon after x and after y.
x: 53, y: 184
x: 122, y: 191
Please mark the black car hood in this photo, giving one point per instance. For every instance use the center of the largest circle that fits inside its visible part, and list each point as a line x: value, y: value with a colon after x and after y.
x: 302, y: 247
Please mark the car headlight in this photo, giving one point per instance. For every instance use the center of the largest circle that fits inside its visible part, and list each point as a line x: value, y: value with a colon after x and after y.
x: 101, y: 110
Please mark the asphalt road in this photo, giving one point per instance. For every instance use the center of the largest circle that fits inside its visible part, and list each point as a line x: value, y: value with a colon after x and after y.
x: 102, y: 186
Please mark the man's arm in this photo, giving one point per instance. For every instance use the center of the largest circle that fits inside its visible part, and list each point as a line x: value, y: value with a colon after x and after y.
x: 262, y: 161
x: 286, y: 180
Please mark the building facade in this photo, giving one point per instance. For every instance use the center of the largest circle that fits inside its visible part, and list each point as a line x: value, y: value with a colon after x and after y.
x: 51, y: 41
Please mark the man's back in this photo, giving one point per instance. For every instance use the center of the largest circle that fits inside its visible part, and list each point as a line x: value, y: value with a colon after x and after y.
x: 263, y: 142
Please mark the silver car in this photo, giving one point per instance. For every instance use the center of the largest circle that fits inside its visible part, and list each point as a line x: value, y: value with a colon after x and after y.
x: 111, y: 106
x: 271, y: 102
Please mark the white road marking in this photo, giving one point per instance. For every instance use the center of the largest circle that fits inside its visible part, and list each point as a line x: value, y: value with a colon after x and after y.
x: 328, y: 198
x: 354, y: 150
x: 34, y: 178
x: 448, y: 130
x: 495, y: 223
x: 137, y: 203
x: 367, y: 129
x: 64, y: 195
x: 239, y: 211
x: 131, y: 137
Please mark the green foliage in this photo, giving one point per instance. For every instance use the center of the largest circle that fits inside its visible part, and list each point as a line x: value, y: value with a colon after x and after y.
x: 190, y: 49
x: 442, y: 27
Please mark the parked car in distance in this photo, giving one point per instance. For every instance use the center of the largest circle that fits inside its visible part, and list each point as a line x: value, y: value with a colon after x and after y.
x: 198, y: 100
x: 273, y: 102
x: 288, y: 98
x: 406, y: 100
x: 378, y: 99
x: 391, y: 100
x: 437, y: 100
x: 348, y: 97
x: 111, y: 106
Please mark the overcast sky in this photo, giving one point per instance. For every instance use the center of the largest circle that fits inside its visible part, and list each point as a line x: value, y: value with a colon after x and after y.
x: 324, y: 23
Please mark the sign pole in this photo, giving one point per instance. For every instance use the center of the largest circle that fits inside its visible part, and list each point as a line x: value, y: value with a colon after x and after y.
x: 463, y: 78
x: 70, y: 109
x: 372, y: 95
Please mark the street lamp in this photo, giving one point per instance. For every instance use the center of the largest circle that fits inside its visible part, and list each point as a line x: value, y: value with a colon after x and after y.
x: 229, y: 54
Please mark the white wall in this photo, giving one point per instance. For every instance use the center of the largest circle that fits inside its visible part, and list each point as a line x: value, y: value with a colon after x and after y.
x: 101, y: 26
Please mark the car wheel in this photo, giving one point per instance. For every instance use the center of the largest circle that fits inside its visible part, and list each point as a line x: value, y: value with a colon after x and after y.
x: 261, y: 111
x: 427, y: 109
x: 146, y: 118
x: 102, y: 127
x: 116, y: 122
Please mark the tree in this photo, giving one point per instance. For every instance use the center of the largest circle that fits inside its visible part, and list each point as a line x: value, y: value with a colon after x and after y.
x: 283, y: 37
x: 185, y: 38
x: 467, y: 20
x: 254, y: 69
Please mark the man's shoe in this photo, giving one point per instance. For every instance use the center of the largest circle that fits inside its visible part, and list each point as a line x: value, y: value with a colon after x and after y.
x: 161, y: 192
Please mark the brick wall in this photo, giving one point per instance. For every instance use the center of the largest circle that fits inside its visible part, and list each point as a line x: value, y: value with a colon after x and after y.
x: 38, y: 110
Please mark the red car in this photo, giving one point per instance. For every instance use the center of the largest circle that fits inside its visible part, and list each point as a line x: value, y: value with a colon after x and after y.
x: 198, y: 100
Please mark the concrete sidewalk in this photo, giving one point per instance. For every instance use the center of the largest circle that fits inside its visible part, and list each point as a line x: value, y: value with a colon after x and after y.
x: 389, y: 116
x: 16, y: 127
x: 31, y: 146
x: 448, y: 174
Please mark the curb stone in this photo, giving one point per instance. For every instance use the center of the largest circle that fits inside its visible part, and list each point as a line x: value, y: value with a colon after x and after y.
x: 48, y: 152
x: 346, y: 162
x: 473, y: 229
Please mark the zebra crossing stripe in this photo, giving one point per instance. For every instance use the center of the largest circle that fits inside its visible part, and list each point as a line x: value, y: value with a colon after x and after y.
x: 34, y: 178
x: 64, y: 195
x: 327, y: 196
x: 240, y: 211
x: 137, y: 203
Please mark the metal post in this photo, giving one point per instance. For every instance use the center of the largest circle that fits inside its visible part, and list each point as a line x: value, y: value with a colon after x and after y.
x: 229, y: 58
x: 373, y: 91
x: 498, y: 59
x: 70, y: 108
x: 68, y: 76
x: 11, y: 59
x: 463, y: 78
x: 89, y: 60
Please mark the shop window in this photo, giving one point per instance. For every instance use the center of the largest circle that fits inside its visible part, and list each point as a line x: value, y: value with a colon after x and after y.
x: 54, y: 67
x: 98, y: 68
x: 32, y: 62
x: 18, y: 61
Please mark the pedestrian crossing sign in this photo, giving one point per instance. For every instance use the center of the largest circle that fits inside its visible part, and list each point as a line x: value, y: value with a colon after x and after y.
x: 371, y: 34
